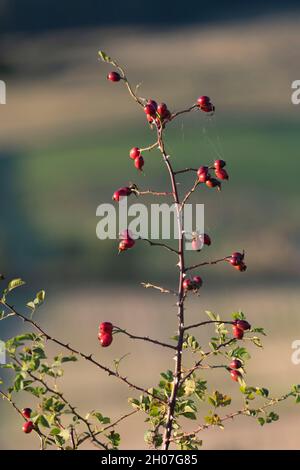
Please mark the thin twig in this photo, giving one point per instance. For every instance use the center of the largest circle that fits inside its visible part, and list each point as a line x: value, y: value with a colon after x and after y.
x: 189, y: 193
x: 144, y: 338
x: 188, y: 110
x: 196, y: 325
x: 150, y: 191
x: 185, y: 170
x: 163, y: 245
x: 207, y: 263
x: 163, y: 290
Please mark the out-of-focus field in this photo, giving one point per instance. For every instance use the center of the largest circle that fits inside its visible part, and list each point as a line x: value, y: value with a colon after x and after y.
x: 64, y: 139
x: 274, y: 309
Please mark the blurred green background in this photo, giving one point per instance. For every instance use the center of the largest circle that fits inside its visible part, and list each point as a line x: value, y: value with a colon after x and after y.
x: 65, y: 135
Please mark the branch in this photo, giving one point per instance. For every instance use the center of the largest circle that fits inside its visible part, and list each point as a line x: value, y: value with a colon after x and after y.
x: 195, y: 325
x: 185, y: 170
x: 150, y: 191
x: 244, y: 411
x: 145, y: 338
x: 207, y: 263
x: 189, y: 193
x: 188, y: 110
x: 147, y: 285
x: 87, y: 357
x: 167, y: 247
x: 151, y: 147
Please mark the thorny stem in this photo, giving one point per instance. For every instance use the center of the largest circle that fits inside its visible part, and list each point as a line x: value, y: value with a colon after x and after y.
x: 180, y: 302
x: 150, y: 191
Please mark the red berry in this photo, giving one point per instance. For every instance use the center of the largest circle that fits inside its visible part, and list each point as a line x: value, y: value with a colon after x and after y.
x: 187, y: 284
x: 236, y: 258
x: 122, y: 192
x: 202, y: 174
x: 235, y: 375
x: 105, y: 327
x: 150, y: 119
x: 27, y: 427
x: 197, y: 281
x: 243, y: 325
x: 213, y: 183
x: 126, y: 244
x: 114, y: 76
x: 162, y: 109
x: 219, y: 164
x: 26, y: 412
x: 149, y: 109
x: 203, y: 101
x: 105, y: 339
x: 134, y: 152
x: 221, y: 174
x: 238, y: 333
x: 235, y: 364
x: 139, y: 162
x: 209, y: 108
x: 206, y: 239
x: 152, y: 103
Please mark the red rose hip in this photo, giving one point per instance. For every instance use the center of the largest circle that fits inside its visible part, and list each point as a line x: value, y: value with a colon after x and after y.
x: 187, y: 284
x: 26, y: 412
x: 235, y: 364
x: 105, y: 327
x: 139, y: 162
x: 105, y: 339
x: 238, y: 333
x: 27, y: 427
x: 134, y: 152
x: 114, y: 76
x: 126, y: 244
x: 235, y: 375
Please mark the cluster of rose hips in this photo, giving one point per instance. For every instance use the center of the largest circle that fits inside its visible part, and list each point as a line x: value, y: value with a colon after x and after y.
x: 28, y: 425
x: 157, y: 113
x: 105, y: 334
x: 204, y: 103
x: 126, y: 242
x: 135, y: 154
x: 192, y: 284
x: 204, y: 175
x: 238, y: 327
x: 237, y: 261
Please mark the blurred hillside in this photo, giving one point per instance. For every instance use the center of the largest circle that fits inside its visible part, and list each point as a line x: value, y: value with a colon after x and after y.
x: 65, y: 134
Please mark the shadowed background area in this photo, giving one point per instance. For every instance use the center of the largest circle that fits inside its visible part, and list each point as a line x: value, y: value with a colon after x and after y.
x: 65, y: 135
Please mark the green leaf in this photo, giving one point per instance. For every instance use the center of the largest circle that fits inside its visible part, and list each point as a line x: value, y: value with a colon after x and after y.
x: 14, y: 284
x: 54, y: 432
x: 189, y: 415
x: 105, y: 57
x: 261, y: 421
x: 43, y: 421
